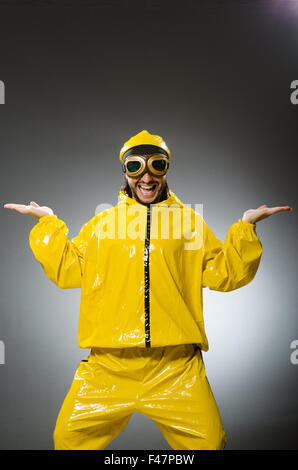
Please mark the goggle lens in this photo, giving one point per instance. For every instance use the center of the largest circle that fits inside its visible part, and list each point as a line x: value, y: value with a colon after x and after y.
x: 133, y: 166
x: 159, y: 165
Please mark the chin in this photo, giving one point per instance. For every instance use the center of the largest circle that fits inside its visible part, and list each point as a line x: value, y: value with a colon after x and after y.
x: 151, y: 200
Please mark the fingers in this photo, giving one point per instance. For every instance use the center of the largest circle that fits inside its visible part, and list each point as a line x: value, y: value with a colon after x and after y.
x: 20, y: 206
x: 14, y: 206
x: 275, y: 210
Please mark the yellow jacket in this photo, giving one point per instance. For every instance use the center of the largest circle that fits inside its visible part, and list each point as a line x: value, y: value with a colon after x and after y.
x: 141, y: 271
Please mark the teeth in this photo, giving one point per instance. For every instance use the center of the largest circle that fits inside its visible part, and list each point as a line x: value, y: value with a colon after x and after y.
x: 147, y: 188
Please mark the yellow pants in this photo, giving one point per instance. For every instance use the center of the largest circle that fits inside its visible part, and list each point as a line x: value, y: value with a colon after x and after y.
x: 167, y: 384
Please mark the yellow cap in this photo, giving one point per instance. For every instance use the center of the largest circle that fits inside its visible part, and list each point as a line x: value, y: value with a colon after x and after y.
x: 144, y: 138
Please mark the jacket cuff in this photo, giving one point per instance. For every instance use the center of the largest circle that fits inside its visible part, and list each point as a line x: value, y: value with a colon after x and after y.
x: 252, y: 224
x: 45, y: 218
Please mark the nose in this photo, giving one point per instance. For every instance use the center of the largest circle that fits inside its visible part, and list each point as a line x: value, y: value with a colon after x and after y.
x: 146, y: 177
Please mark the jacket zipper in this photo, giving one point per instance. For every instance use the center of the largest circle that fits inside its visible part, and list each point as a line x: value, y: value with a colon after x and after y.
x: 146, y: 279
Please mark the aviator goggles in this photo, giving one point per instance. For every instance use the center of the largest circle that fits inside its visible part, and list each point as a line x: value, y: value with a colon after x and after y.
x: 137, y: 165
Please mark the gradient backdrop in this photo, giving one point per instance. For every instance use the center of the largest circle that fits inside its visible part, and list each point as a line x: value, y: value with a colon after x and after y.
x: 214, y: 79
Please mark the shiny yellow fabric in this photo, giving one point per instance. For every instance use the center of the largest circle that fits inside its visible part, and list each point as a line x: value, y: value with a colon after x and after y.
x: 165, y: 384
x: 106, y: 260
x: 144, y: 138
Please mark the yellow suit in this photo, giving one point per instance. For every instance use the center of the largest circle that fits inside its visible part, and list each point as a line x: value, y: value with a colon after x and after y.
x: 141, y: 271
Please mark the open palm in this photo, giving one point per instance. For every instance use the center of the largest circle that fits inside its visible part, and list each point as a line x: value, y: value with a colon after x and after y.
x: 32, y: 209
x: 262, y: 212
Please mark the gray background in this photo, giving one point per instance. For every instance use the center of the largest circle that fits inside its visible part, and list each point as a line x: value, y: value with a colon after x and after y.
x: 213, y: 78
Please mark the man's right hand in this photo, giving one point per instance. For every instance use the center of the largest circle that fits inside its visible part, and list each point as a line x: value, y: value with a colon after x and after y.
x: 33, y: 209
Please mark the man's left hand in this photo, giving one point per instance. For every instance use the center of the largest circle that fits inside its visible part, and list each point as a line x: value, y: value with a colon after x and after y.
x: 254, y: 215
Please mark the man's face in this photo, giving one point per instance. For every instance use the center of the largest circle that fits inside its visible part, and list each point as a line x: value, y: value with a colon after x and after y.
x: 146, y: 188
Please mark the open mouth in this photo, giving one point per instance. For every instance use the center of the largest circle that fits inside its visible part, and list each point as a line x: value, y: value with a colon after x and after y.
x: 147, y: 189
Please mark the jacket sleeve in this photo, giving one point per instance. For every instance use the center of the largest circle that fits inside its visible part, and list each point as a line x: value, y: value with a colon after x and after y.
x: 234, y: 263
x: 62, y: 260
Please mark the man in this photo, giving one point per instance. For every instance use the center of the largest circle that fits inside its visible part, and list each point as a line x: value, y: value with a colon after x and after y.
x: 141, y: 267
